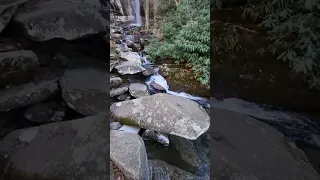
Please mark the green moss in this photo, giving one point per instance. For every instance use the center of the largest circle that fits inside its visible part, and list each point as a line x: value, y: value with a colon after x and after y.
x: 128, y: 122
x: 182, y: 79
x: 117, y: 51
x: 125, y: 121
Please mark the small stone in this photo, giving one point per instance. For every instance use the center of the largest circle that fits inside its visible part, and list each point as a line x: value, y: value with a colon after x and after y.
x: 39, y: 113
x: 115, y: 82
x: 115, y: 126
x: 117, y: 91
x: 148, y: 72
x: 123, y: 97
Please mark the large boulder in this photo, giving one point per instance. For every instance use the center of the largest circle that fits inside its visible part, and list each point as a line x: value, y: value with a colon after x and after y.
x: 7, y: 10
x: 77, y: 149
x: 245, y: 148
x: 13, y: 63
x: 47, y: 19
x: 164, y: 113
x: 6, y: 15
x: 86, y: 90
x: 195, y: 154
x: 128, y: 153
x: 27, y: 94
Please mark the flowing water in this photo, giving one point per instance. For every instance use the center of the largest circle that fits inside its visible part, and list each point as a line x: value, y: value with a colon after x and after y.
x: 137, y: 14
x: 168, y: 148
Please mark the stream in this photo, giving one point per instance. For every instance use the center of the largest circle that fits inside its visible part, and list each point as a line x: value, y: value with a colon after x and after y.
x: 190, y: 156
x: 298, y: 127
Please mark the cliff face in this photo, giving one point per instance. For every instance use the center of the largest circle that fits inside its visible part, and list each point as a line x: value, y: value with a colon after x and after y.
x: 122, y: 7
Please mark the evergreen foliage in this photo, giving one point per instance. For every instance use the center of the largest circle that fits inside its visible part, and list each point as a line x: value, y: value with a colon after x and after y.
x: 186, y: 37
x: 293, y: 27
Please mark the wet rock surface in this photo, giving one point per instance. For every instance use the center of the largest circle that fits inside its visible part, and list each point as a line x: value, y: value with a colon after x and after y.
x: 254, y: 150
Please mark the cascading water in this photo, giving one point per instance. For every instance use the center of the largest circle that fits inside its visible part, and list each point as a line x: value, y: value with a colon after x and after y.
x: 160, y: 80
x: 137, y: 14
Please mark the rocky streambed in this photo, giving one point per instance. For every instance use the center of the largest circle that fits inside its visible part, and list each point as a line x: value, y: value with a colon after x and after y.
x: 166, y: 131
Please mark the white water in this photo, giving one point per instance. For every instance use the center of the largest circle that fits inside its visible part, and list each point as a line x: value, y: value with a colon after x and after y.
x: 130, y: 129
x: 160, y: 80
x: 137, y: 14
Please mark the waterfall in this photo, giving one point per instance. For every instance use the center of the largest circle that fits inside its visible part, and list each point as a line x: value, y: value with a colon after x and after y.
x: 137, y: 13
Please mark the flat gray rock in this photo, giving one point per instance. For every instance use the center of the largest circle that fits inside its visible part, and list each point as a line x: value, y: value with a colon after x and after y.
x: 130, y: 56
x: 7, y: 10
x: 118, y: 91
x: 243, y: 148
x: 77, y: 149
x: 138, y: 90
x: 47, y: 19
x: 86, y: 90
x: 27, y: 94
x: 164, y: 113
x: 128, y: 152
x: 129, y: 67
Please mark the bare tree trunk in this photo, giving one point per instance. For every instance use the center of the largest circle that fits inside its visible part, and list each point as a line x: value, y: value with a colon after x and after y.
x: 147, y: 15
x: 155, y: 9
x: 177, y: 2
